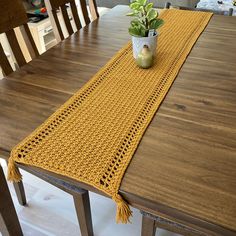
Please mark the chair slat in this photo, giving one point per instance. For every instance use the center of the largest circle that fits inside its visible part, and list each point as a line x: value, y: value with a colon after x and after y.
x: 4, y: 63
x: 53, y: 5
x: 167, y: 5
x: 66, y: 19
x: 57, y: 26
x: 93, y: 9
x: 52, y: 13
x: 11, y: 36
x: 85, y: 11
x: 29, y: 41
x: 75, y: 15
x: 231, y: 10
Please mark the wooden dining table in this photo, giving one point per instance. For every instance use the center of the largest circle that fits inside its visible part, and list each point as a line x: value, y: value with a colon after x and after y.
x: 183, y: 174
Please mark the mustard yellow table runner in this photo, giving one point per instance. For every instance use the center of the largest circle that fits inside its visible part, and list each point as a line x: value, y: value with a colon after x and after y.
x: 93, y: 136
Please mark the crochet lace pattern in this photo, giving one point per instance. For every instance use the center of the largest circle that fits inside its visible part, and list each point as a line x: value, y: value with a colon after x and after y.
x: 93, y: 136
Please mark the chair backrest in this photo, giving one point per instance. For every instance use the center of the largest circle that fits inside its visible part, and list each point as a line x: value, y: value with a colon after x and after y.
x: 54, y: 5
x: 229, y: 13
x: 13, y: 15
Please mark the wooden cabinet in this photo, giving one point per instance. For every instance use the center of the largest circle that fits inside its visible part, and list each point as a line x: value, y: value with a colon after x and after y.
x: 43, y: 35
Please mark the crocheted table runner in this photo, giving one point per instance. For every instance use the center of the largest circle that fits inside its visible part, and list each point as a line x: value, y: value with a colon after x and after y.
x: 93, y: 136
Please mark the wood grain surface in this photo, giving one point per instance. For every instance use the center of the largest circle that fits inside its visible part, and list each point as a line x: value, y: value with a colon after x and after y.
x: 185, y: 166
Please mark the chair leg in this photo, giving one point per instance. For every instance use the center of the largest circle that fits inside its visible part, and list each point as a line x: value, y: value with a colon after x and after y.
x: 148, y: 226
x: 20, y: 193
x: 9, y: 223
x: 83, y: 210
x: 81, y: 201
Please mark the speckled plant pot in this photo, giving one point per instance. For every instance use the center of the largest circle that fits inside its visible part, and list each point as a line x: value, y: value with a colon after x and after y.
x: 139, y: 42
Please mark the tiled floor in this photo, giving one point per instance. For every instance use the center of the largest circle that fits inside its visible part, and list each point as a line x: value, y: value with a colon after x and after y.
x: 50, y: 212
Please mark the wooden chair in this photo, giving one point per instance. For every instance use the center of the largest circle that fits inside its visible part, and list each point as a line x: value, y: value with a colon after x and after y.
x: 13, y: 15
x: 229, y: 13
x: 9, y: 223
x: 53, y: 6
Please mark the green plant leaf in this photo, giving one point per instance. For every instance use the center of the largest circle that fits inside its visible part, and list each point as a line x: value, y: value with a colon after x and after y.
x: 145, y: 18
x: 131, y: 14
x: 149, y: 6
x: 143, y: 32
x: 135, y: 6
x: 152, y: 14
x: 133, y: 23
x: 142, y: 2
x: 141, y: 9
x: 138, y: 23
x: 142, y: 18
x: 156, y: 23
x: 134, y: 31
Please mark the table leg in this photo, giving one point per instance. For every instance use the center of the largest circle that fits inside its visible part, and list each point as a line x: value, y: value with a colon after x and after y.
x: 20, y: 192
x: 9, y: 223
x: 151, y: 222
x: 83, y: 210
x: 81, y: 201
x: 148, y: 226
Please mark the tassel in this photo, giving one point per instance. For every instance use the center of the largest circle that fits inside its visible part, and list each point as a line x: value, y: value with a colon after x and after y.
x: 13, y: 173
x: 123, y: 211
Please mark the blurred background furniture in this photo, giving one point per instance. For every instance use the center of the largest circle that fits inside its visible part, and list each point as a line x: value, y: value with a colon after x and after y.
x: 9, y: 223
x: 224, y: 5
x: 12, y: 16
x: 68, y: 9
x: 228, y: 12
x: 42, y: 30
x: 157, y: 3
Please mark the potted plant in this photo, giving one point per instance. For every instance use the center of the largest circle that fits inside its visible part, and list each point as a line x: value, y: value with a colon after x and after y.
x: 143, y: 28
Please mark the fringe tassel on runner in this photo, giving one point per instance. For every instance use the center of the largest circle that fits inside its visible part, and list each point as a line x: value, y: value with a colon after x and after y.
x: 123, y: 211
x: 13, y: 173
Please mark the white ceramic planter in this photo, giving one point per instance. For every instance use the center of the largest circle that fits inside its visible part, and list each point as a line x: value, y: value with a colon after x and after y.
x: 139, y: 42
